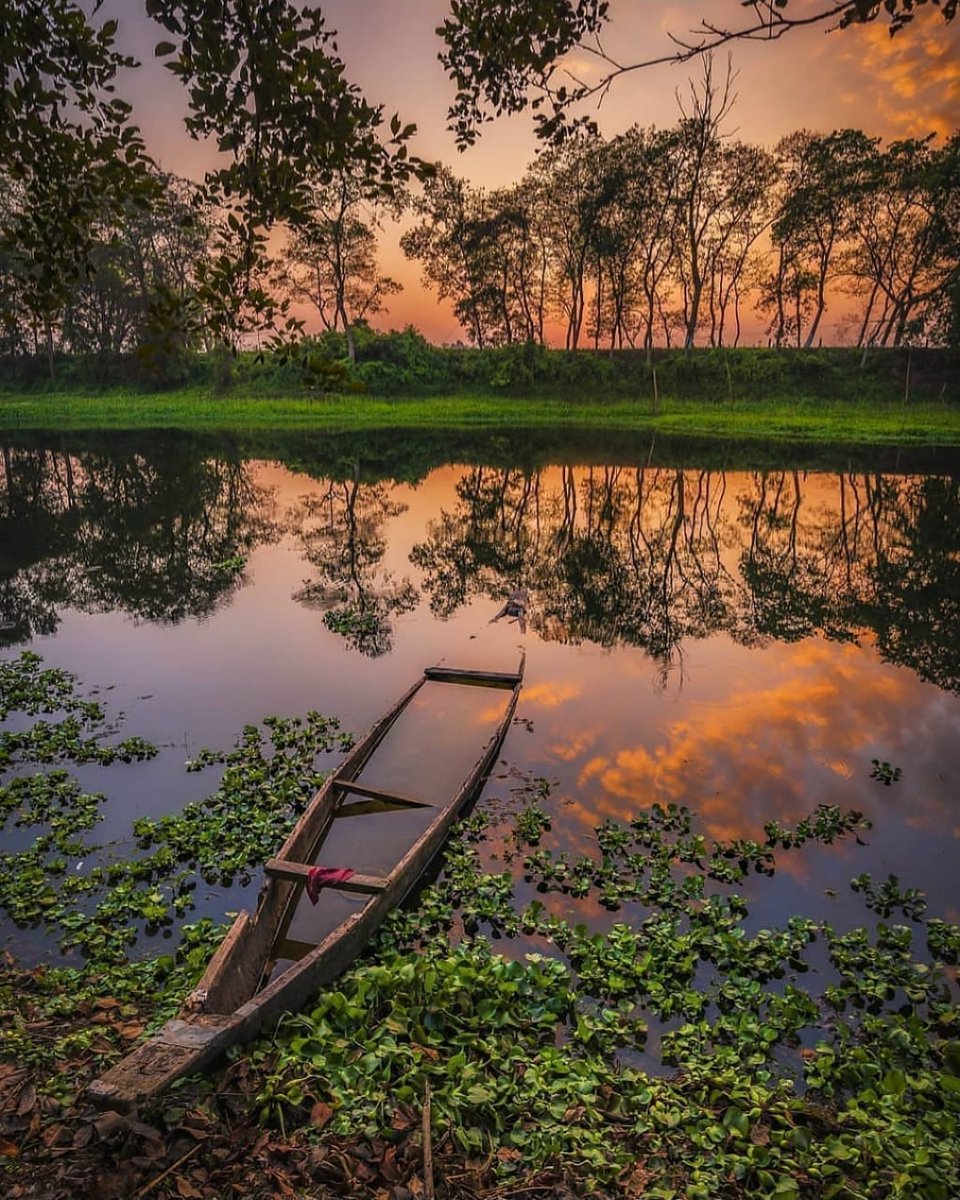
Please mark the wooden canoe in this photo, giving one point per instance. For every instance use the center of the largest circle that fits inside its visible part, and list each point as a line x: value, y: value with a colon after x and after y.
x: 262, y: 969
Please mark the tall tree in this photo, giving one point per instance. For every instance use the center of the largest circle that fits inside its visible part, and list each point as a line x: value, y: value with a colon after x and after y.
x: 267, y: 86
x: 903, y: 257
x: 331, y: 260
x: 576, y: 193
x: 821, y: 178
x: 453, y: 244
x: 142, y: 255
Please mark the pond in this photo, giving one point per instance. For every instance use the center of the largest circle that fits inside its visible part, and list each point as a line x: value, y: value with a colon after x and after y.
x: 734, y: 631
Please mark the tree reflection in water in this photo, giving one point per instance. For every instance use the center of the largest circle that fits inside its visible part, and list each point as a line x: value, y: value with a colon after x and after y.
x: 342, y: 534
x: 649, y: 555
x: 159, y: 534
x: 653, y: 556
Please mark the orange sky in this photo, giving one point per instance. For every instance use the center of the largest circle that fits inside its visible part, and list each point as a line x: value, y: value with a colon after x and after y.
x: 909, y: 85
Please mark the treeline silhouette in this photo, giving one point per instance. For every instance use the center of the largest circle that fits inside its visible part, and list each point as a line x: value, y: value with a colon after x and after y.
x: 655, y: 238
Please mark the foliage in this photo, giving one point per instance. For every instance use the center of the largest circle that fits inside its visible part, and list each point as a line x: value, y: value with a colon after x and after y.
x: 266, y: 84
x: 508, y: 56
x: 330, y: 259
x: 885, y: 772
x: 101, y: 905
x: 69, y: 156
x: 521, y: 1058
x: 657, y: 236
x: 792, y: 1075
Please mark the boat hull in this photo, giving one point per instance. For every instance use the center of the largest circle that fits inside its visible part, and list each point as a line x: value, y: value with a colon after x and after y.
x: 229, y: 1006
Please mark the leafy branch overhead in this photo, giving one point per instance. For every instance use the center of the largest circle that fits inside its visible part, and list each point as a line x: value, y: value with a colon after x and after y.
x: 509, y: 55
x: 267, y: 85
x: 264, y: 83
x: 69, y: 153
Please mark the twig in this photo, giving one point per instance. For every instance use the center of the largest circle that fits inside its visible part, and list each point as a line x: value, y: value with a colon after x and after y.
x: 148, y: 1187
x: 428, y: 1192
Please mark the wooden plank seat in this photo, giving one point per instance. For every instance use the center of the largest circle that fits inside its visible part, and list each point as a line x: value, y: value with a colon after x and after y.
x: 375, y: 793
x: 496, y: 679
x: 296, y: 872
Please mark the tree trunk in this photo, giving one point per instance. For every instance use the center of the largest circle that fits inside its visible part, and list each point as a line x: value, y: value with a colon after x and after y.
x: 48, y: 340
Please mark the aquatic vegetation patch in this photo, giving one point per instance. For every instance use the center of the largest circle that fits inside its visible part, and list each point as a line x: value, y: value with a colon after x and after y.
x: 29, y: 689
x: 268, y: 779
x: 884, y: 898
x: 26, y: 686
x: 885, y: 772
x: 666, y: 1047
x: 100, y: 902
x: 794, y: 1077
x: 510, y: 1085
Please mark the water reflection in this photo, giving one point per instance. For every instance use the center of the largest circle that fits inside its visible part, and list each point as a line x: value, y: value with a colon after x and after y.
x: 157, y: 533
x: 742, y: 641
x: 341, y: 529
x: 649, y: 556
x: 655, y: 557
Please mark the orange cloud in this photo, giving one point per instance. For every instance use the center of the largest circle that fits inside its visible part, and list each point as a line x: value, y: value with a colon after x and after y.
x: 760, y: 754
x: 550, y: 694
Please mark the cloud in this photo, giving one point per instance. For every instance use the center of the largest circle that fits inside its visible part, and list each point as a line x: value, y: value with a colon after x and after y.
x: 550, y: 694
x: 768, y: 752
x: 909, y: 84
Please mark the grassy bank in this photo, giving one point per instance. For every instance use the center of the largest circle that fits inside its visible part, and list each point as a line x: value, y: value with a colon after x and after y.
x: 798, y: 418
x: 400, y: 381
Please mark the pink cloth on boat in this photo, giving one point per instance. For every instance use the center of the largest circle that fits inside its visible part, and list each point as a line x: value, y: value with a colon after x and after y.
x: 320, y: 877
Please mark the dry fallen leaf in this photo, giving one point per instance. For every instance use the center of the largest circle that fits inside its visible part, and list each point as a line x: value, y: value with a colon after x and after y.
x: 429, y: 1051
x: 27, y: 1101
x: 82, y: 1137
x: 388, y: 1165
x: 320, y: 1114
x: 8, y: 1149
x: 51, y: 1135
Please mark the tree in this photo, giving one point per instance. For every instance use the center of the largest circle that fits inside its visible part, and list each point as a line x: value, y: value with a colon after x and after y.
x: 636, y: 235
x: 453, y: 244
x: 507, y: 55
x: 903, y: 259
x: 944, y: 307
x: 820, y: 181
x: 721, y: 189
x: 66, y: 145
x: 331, y: 257
x: 267, y: 85
x: 140, y: 256
x: 576, y: 194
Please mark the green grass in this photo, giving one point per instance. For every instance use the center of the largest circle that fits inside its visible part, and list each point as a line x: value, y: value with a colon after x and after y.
x: 798, y: 419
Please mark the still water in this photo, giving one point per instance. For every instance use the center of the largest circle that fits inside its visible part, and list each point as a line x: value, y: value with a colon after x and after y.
x: 740, y: 637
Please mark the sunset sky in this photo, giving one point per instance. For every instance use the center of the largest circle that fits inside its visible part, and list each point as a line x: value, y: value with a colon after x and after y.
x: 861, y: 78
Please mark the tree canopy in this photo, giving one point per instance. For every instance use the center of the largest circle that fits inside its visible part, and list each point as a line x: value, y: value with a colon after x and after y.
x: 506, y: 56
x: 91, y: 230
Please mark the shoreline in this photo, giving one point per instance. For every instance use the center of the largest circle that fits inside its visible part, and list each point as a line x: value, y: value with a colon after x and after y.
x: 799, y: 419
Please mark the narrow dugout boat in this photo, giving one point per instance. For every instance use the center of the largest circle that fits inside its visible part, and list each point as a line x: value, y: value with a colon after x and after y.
x: 406, y: 780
